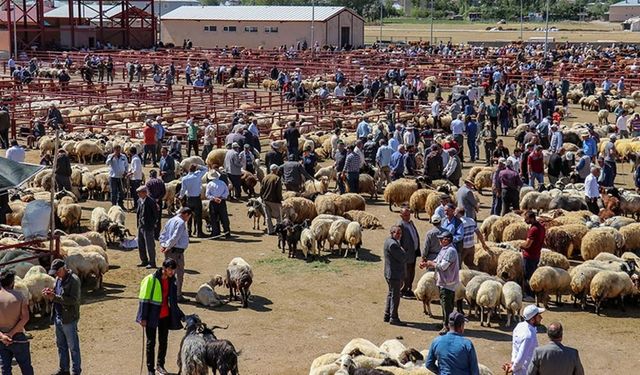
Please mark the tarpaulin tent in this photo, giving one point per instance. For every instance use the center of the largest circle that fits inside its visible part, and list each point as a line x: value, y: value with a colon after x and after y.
x: 14, y: 174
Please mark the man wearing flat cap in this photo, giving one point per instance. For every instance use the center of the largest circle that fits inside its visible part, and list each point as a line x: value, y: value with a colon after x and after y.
x: 147, y: 218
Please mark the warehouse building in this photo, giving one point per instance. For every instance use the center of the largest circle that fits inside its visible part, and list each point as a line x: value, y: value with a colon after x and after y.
x: 262, y: 26
x: 623, y: 10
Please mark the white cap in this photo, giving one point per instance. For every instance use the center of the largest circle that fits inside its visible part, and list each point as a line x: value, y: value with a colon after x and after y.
x: 436, y: 219
x: 531, y: 311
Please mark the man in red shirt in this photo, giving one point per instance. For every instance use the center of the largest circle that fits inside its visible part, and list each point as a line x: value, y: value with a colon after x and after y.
x: 149, y: 135
x: 535, y: 164
x: 531, y: 250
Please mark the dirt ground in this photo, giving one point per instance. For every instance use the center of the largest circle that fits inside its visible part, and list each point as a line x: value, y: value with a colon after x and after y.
x: 301, y: 310
x: 458, y: 32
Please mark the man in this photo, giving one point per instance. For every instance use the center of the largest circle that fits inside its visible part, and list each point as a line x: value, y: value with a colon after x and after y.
x: 358, y: 150
x: 500, y: 151
x: 147, y: 218
x: 5, y: 125
x: 233, y: 166
x: 471, y: 128
x: 467, y: 200
x: 14, y: 315
x: 274, y: 156
x: 410, y: 242
x: 524, y: 163
x: 431, y: 242
x: 191, y: 188
x: 63, y: 171
x: 556, y: 139
x: 292, y: 135
x: 470, y: 230
x: 167, y: 166
x: 592, y: 189
x: 15, y: 152
x: 271, y: 193
x: 294, y: 174
x: 118, y: 166
x: 156, y: 190
x: 158, y: 311
x: 554, y: 167
x: 516, y: 160
x: 621, y: 125
x: 309, y: 160
x: 583, y: 168
x: 531, y: 250
x: 457, y: 128
x: 394, y: 272
x: 524, y: 341
x: 397, y: 163
x: 589, y: 145
x: 510, y: 184
x: 383, y: 161
x: 634, y: 124
x: 453, y: 170
x: 192, y: 137
x: 149, y: 140
x: 65, y: 314
x: 174, y: 240
x: 217, y: 193
x: 609, y: 171
x: 447, y: 269
x: 209, y: 138
x: 436, y: 109
x: 135, y: 175
x: 363, y: 130
x: 370, y: 150
x: 160, y: 131
x: 555, y: 358
x: 340, y: 157
x: 433, y: 165
x: 535, y: 167
x: 453, y: 353
x: 445, y: 199
x: 351, y: 170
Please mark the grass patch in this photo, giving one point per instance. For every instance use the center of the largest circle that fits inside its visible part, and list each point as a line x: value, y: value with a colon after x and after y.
x: 281, y: 265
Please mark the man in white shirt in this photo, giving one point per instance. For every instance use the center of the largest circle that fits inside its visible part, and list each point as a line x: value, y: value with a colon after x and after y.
x: 524, y: 340
x: 358, y: 150
x: 118, y: 166
x: 209, y: 138
x: 436, y: 108
x: 174, y: 240
x: 135, y: 175
x: 621, y: 124
x: 457, y: 128
x: 15, y: 152
x: 516, y: 159
x: 592, y: 189
x: 339, y: 91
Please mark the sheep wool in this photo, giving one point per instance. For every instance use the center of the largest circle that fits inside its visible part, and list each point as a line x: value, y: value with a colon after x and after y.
x: 553, y: 259
x: 418, y: 200
x: 399, y: 192
x: 608, y: 285
x: 364, y: 218
x: 599, y: 240
x: 549, y: 280
x: 631, y: 235
x: 512, y: 300
x: 488, y: 298
x: 427, y: 291
x: 298, y: 209
x: 515, y: 231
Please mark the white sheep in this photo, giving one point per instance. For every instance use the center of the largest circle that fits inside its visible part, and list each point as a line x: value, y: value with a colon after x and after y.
x: 534, y: 200
x: 471, y: 290
x: 100, y: 220
x: 206, y: 295
x: 427, y: 291
x: 308, y: 243
x: 20, y: 287
x: 488, y: 298
x: 336, y: 234
x: 320, y: 230
x: 512, y: 300
x: 550, y: 280
x: 353, y: 238
x: 581, y: 277
x: 69, y: 215
x: 609, y: 285
x: 87, y: 264
x: 365, y: 347
x: 116, y: 214
x: 36, y: 280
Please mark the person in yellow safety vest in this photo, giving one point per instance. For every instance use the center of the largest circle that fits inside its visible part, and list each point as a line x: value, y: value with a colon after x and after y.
x: 158, y: 311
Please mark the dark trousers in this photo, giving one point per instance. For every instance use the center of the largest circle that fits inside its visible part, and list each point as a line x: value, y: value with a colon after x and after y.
x: 163, y: 334
x: 133, y: 186
x: 147, y: 246
x: 63, y: 182
x: 408, y: 278
x: 237, y: 185
x: 496, y: 204
x: 156, y: 230
x: 393, y: 299
x: 218, y: 214
x: 192, y: 144
x: 206, y: 149
x: 446, y: 301
x: 117, y: 193
x: 510, y: 200
x: 293, y: 186
x: 471, y: 143
x: 21, y: 354
x: 158, y: 148
x: 149, y: 150
x: 195, y: 204
x: 293, y: 151
x: 488, y: 150
x: 530, y: 266
x: 609, y: 172
x: 460, y: 139
x: 352, y: 181
x: 341, y: 188
x: 4, y: 135
x: 592, y: 204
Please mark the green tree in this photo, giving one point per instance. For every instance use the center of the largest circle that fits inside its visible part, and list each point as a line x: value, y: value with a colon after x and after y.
x: 210, y: 2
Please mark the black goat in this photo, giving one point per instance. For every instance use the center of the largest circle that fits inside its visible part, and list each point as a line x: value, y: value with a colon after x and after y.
x: 221, y: 355
x: 281, y: 231
x: 191, y: 355
x: 293, y: 233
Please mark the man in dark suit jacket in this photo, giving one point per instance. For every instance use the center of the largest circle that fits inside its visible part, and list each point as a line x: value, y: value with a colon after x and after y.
x: 147, y: 217
x: 411, y: 244
x: 394, y: 272
x: 555, y: 358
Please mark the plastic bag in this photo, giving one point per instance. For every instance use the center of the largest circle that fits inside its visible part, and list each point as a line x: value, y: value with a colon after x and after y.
x: 35, y: 222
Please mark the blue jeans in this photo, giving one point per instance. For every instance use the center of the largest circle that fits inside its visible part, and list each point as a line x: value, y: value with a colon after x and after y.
x: 67, y: 341
x: 341, y: 188
x: 471, y: 144
x: 536, y: 176
x: 353, y: 180
x: 496, y: 204
x: 117, y: 193
x: 609, y: 173
x: 18, y: 351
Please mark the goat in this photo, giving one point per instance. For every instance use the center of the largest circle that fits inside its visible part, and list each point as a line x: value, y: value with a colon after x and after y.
x: 118, y: 231
x: 281, y: 230
x: 293, y: 233
x: 256, y: 211
x: 239, y: 278
x: 220, y: 355
x: 191, y: 356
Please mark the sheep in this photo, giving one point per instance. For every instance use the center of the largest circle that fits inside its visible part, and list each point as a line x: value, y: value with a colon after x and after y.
x: 631, y: 235
x: 364, y: 346
x: 365, y: 219
x: 432, y: 203
x: 336, y: 234
x: 216, y: 157
x: 100, y: 221
x: 485, y: 227
x: 488, y: 298
x: 399, y: 192
x: 367, y: 365
x: 600, y: 240
x: 171, y: 192
x: 549, y: 280
x: 394, y: 348
x: 565, y: 239
x: 220, y: 355
x: 308, y: 243
x: 483, y: 180
x: 569, y: 203
x: 17, y: 212
x: 534, y: 200
x: 20, y: 287
x: 320, y: 230
x: 510, y: 267
x: 471, y: 290
x: 515, y: 231
x: 88, y: 148
x: 298, y: 209
x: 186, y: 163
x: 499, y: 226
x: 629, y: 256
x: 366, y: 184
x: 95, y: 238
x: 609, y: 285
x: 37, y: 279
x: 400, y: 371
x: 326, y: 204
x: 342, y: 366
x: 617, y: 222
x: 553, y: 259
x: 511, y: 300
x: 206, y: 295
x: 486, y: 260
x: 466, y: 275
x: 86, y: 249
x: 581, y: 277
x: 348, y: 202
x: 239, y: 278
x: 324, y: 360
x: 427, y: 291
x: 603, y: 117
x: 353, y: 238
x: 320, y: 185
x: 69, y: 215
x: 86, y: 264
x: 418, y: 200
x: 329, y: 172
x: 116, y: 215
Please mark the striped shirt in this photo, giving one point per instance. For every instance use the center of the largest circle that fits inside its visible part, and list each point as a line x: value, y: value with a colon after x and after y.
x: 352, y: 163
x: 469, y: 230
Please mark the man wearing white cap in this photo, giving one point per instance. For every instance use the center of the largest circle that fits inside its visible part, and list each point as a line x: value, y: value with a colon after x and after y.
x: 525, y: 340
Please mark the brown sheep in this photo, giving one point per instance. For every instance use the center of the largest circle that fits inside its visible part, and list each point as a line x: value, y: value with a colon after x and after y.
x: 365, y: 219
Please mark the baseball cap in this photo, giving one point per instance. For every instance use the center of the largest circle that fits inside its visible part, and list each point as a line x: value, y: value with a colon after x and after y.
x: 531, y: 311
x: 456, y: 319
x: 436, y: 219
x: 141, y: 189
x: 55, y: 266
x: 445, y: 234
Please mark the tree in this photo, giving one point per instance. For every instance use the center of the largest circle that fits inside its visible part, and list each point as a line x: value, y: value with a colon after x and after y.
x: 210, y: 2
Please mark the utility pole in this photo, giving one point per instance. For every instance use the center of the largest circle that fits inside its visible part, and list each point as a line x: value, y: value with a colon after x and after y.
x: 381, y: 3
x: 15, y: 34
x: 546, y: 32
x: 521, y: 20
x: 313, y: 20
x: 431, y: 15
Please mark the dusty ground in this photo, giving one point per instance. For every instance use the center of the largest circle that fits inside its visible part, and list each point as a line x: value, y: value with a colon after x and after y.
x: 458, y: 32
x: 301, y: 310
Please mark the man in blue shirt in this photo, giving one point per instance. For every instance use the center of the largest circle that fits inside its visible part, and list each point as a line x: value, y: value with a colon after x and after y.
x: 363, y: 130
x: 471, y: 128
x: 453, y: 354
x: 397, y: 163
x: 383, y: 160
x: 217, y: 193
x: 191, y: 189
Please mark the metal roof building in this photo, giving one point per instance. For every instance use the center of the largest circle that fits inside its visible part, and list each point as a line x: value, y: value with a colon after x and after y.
x: 262, y: 26
x: 623, y: 10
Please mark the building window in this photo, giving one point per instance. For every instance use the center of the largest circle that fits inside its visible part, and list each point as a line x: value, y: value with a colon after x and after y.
x: 230, y: 29
x: 250, y: 29
x: 270, y: 29
x: 210, y: 28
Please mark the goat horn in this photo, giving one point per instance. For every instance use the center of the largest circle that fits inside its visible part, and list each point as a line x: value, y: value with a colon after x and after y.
x: 219, y: 327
